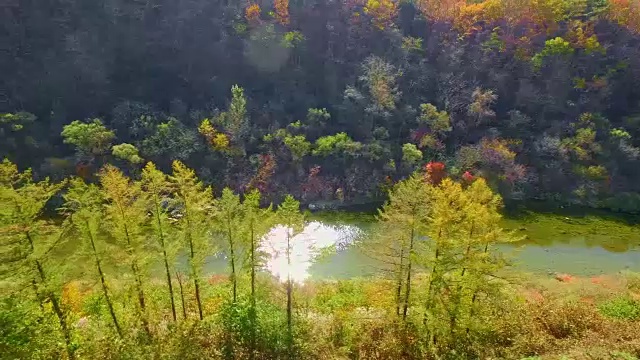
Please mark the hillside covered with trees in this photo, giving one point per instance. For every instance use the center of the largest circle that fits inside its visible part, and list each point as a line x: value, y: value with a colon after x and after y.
x: 331, y: 99
x: 143, y: 141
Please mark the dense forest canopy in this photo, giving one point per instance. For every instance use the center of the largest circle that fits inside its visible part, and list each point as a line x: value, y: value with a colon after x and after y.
x: 331, y: 99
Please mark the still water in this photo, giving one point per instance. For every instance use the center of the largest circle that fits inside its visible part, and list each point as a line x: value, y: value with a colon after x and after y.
x: 578, y: 245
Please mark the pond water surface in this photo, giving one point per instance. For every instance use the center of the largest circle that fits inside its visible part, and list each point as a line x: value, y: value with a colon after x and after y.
x: 584, y: 245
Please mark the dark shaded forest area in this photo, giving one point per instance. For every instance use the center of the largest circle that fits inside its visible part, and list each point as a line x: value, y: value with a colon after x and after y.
x: 331, y: 100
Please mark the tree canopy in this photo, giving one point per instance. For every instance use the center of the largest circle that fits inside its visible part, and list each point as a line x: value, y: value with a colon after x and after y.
x: 490, y: 87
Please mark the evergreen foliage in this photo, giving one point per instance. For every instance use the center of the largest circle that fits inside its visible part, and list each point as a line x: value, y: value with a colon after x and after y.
x: 437, y: 241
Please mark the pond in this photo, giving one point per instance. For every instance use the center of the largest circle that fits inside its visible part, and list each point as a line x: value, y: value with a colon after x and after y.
x: 578, y: 244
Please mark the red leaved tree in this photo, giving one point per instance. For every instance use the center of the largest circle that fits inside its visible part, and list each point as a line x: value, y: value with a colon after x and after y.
x: 435, y: 172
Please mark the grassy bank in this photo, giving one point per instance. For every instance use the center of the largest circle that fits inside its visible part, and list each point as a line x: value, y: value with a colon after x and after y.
x: 550, y: 318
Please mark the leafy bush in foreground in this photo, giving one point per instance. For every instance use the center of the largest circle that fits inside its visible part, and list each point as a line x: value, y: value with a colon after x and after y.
x: 622, y: 308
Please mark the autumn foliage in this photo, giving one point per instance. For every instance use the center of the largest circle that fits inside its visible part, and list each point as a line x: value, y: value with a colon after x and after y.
x: 217, y: 140
x: 84, y: 169
x: 435, y: 172
x: 282, y: 11
x: 266, y: 169
x: 468, y: 177
x: 471, y: 15
x: 383, y: 12
x: 252, y: 13
x: 437, y: 10
x: 625, y: 13
x: 539, y: 16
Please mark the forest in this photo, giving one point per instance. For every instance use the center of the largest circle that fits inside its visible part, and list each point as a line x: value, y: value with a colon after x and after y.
x: 141, y: 139
x: 331, y: 100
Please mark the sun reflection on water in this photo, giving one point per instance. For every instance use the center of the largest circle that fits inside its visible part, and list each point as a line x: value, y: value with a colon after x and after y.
x: 305, y: 246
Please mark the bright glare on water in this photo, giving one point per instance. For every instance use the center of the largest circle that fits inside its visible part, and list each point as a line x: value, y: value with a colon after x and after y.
x: 305, y: 247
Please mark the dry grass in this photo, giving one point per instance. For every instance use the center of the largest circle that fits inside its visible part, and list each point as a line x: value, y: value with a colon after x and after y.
x: 561, y: 319
x: 540, y: 318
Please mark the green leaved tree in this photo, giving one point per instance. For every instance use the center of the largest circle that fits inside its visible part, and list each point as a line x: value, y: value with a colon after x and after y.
x: 478, y: 262
x: 127, y: 152
x: 258, y: 222
x: 195, y: 202
x: 91, y: 138
x: 463, y: 228
x: 83, y: 207
x: 446, y: 226
x: 411, y: 155
x: 290, y: 217
x: 235, y: 121
x: 403, y: 220
x: 125, y: 220
x: 229, y: 222
x: 27, y: 240
x: 156, y: 188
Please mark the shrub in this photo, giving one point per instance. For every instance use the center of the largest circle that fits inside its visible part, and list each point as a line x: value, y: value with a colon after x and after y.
x: 235, y: 321
x: 26, y: 332
x: 624, y: 202
x: 622, y: 356
x: 567, y: 319
x: 621, y: 308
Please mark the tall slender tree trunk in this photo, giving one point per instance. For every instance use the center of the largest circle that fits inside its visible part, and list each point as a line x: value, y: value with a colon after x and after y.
x: 400, y: 280
x: 170, y: 284
x: 454, y: 315
x: 196, y: 283
x: 192, y: 253
x: 164, y: 255
x: 253, y: 314
x: 141, y: 299
x: 475, y: 293
x: 34, y: 285
x: 289, y: 299
x: 184, y: 309
x: 408, y: 283
x: 253, y: 269
x: 234, y: 282
x: 136, y: 274
x: 55, y: 303
x: 57, y: 309
x: 432, y: 277
x: 103, y: 283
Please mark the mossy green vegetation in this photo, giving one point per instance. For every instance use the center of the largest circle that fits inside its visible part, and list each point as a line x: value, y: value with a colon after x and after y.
x: 545, y: 224
x: 623, y: 308
x: 539, y: 224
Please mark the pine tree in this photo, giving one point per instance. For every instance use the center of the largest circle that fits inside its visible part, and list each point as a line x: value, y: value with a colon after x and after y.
x: 292, y: 219
x: 388, y: 248
x: 83, y: 205
x: 195, y: 203
x: 125, y: 220
x: 258, y: 222
x: 237, y: 123
x: 403, y: 219
x: 446, y: 225
x: 479, y: 262
x: 229, y: 220
x: 462, y: 228
x: 155, y: 188
x: 27, y: 240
